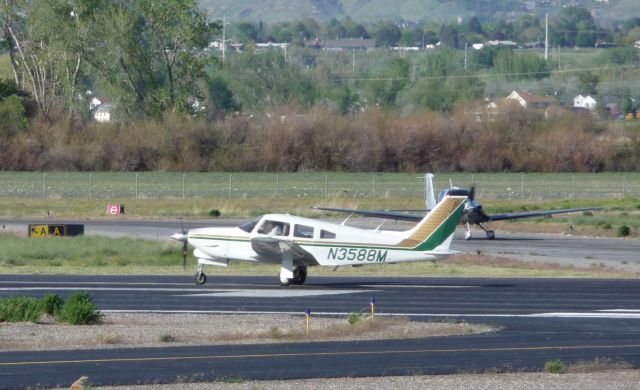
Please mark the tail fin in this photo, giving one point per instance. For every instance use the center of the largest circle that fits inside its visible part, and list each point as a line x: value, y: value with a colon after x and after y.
x: 429, y: 197
x: 437, y: 226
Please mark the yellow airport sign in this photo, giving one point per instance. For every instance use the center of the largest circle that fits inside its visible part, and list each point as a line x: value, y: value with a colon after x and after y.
x: 55, y: 230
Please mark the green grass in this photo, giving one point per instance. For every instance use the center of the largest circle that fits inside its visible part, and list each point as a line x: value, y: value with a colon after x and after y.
x: 153, y: 185
x: 103, y: 255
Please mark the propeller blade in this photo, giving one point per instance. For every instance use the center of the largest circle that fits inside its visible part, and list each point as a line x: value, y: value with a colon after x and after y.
x: 472, y: 193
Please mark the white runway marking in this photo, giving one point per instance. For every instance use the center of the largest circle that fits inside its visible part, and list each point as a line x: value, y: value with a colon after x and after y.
x: 273, y: 293
x: 413, y: 286
x: 202, y: 292
x: 387, y: 314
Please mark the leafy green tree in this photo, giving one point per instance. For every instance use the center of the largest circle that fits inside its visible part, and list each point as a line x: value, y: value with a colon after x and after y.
x: 244, y: 32
x: 571, y: 21
x: 520, y: 65
x: 13, y: 114
x: 147, y: 53
x: 387, y: 33
x: 448, y: 36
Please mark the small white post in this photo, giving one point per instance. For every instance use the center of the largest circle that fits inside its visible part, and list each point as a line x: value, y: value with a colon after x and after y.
x: 326, y: 185
x: 183, y: 185
x: 90, y: 184
x: 277, y: 186
x: 44, y: 185
x: 522, y: 187
x: 230, y: 185
x: 136, y: 186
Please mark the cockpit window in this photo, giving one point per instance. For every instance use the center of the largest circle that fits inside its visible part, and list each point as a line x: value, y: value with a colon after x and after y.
x: 248, y: 226
x: 326, y: 234
x: 303, y: 231
x: 274, y: 228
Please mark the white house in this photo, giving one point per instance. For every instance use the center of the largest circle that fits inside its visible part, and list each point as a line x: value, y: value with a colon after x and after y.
x: 102, y: 113
x: 530, y: 101
x: 585, y: 102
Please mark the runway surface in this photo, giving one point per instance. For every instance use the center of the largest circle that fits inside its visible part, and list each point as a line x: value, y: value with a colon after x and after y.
x: 542, y: 319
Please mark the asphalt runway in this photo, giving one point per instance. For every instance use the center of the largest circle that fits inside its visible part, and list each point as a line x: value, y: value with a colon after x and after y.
x: 541, y: 319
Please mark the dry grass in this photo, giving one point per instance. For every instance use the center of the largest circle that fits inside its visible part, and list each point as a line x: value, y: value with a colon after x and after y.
x: 138, y: 330
x: 598, y: 365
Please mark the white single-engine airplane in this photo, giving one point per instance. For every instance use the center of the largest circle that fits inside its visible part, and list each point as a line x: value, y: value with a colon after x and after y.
x: 473, y: 213
x: 297, y: 243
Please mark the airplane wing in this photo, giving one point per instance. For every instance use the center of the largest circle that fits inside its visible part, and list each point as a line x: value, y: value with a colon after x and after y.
x: 539, y: 213
x: 271, y: 249
x: 400, y: 216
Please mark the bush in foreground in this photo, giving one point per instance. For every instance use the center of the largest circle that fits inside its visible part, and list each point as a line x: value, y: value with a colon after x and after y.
x: 20, y: 309
x: 79, y: 310
x: 555, y: 366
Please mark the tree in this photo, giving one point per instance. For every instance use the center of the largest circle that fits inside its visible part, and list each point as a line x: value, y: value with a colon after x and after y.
x: 448, y: 36
x: 48, y: 41
x: 147, y: 53
x: 387, y: 33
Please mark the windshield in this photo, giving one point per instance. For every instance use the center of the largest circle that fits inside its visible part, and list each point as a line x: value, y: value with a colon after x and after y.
x: 248, y: 226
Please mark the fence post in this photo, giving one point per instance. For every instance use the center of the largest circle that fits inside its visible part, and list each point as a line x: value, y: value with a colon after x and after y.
x: 573, y: 187
x: 136, y: 186
x: 522, y: 187
x: 624, y: 185
x: 183, y: 184
x: 44, y: 185
x: 326, y: 185
x: 230, y: 185
x: 277, y: 185
x: 374, y: 185
x: 90, y: 184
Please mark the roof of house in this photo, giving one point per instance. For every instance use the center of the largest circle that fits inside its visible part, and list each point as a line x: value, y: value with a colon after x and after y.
x: 531, y: 98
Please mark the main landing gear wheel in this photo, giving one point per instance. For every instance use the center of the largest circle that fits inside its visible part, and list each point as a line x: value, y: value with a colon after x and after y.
x: 491, y: 235
x: 299, y: 275
x: 200, y: 278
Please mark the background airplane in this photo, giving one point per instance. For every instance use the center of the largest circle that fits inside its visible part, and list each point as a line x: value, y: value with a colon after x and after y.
x: 473, y: 213
x: 296, y: 243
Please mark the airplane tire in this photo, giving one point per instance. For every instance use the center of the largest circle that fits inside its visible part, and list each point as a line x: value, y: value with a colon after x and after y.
x: 491, y: 235
x: 200, y: 278
x: 299, y: 275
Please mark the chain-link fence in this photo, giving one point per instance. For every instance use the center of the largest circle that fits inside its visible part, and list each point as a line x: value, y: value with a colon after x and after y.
x: 535, y: 186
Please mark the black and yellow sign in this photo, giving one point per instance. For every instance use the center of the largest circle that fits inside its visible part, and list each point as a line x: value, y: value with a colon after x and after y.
x: 57, y: 230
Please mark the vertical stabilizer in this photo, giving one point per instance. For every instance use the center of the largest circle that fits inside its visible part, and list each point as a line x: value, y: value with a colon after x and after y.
x: 429, y: 196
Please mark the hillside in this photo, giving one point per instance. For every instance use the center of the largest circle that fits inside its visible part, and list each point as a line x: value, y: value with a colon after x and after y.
x: 411, y: 10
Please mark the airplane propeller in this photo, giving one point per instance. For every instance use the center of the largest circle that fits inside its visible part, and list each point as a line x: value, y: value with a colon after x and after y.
x: 472, y: 192
x: 183, y: 237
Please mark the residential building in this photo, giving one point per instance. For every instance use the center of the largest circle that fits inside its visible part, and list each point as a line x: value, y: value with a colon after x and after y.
x: 585, y: 102
x: 530, y: 101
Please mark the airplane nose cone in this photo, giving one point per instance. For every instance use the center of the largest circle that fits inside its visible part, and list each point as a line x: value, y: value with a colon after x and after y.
x: 182, y: 237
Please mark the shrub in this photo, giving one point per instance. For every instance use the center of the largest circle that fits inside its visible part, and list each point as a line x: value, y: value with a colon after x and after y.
x: 167, y: 338
x: 52, y: 303
x: 214, y: 213
x: 555, y: 366
x: 79, y: 310
x: 20, y: 309
x: 623, y: 231
x: 353, y: 318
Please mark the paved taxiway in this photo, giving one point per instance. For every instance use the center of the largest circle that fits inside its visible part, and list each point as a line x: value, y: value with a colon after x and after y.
x: 542, y: 319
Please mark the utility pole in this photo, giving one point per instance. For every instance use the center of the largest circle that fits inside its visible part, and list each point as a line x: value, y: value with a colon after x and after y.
x: 465, y: 56
x: 546, y: 37
x: 353, y: 60
x: 224, y: 38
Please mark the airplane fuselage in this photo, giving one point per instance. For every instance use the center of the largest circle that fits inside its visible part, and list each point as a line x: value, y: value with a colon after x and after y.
x: 327, y: 243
